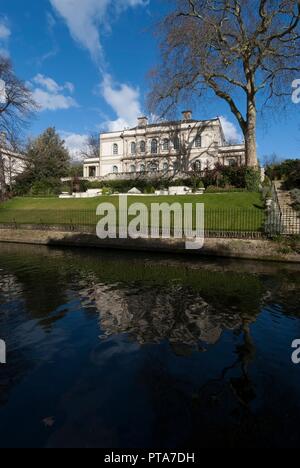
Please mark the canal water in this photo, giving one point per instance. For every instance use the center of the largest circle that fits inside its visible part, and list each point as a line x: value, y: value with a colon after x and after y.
x: 131, y: 350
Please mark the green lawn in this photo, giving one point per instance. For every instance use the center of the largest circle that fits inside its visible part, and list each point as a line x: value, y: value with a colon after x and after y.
x: 226, y: 211
x: 244, y: 200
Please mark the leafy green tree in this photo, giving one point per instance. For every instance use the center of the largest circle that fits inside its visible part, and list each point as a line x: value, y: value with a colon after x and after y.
x: 48, y: 156
x: 48, y: 161
x: 287, y: 171
x: 76, y: 170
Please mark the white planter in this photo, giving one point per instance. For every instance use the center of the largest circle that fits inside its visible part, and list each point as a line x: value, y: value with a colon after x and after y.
x: 269, y: 202
x: 179, y: 190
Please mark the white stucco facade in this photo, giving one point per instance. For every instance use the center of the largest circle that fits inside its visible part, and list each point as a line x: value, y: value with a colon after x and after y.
x: 162, y: 149
x: 12, y: 163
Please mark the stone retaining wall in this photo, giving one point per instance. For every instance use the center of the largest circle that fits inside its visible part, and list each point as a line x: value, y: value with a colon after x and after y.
x: 231, y: 248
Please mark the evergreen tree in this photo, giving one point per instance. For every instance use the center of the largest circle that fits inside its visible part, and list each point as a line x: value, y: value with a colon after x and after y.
x: 48, y: 156
x: 48, y: 161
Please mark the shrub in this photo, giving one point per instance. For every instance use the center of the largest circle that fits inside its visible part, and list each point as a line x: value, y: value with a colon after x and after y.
x: 228, y: 189
x: 150, y: 189
x: 94, y: 185
x: 292, y: 180
x: 296, y: 198
x: 266, y: 193
x: 269, y: 194
x: 66, y: 187
x: 142, y: 184
x: 209, y: 179
x: 267, y: 182
x: 106, y: 191
x: 288, y: 171
x: 252, y: 180
x: 232, y: 176
x: 46, y: 187
x: 76, y: 170
x: 22, y: 184
x: 83, y: 185
x: 222, y: 179
x: 225, y: 181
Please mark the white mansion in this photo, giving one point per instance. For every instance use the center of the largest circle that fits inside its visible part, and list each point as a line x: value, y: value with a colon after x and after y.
x: 11, y: 163
x: 163, y: 148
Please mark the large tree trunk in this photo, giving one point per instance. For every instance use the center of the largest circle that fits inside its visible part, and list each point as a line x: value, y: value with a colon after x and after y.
x: 2, y: 178
x: 250, y: 136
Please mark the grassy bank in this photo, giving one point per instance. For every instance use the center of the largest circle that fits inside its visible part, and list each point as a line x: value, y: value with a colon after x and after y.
x: 227, y: 211
x: 245, y: 200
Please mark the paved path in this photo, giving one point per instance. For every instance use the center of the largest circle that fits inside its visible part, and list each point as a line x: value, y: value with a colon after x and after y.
x: 290, y: 219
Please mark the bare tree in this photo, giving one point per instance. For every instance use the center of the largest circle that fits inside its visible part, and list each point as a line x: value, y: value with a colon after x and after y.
x: 16, y: 106
x: 272, y: 159
x: 184, y: 162
x: 92, y: 148
x: 236, y: 49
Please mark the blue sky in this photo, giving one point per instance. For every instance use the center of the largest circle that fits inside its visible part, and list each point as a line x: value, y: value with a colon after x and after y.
x: 87, y: 63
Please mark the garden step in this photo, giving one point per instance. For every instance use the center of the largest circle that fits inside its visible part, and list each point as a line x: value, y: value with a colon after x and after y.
x: 290, y: 217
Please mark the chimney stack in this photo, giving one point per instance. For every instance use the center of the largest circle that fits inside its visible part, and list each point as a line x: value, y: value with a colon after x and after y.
x: 187, y: 115
x: 142, y: 122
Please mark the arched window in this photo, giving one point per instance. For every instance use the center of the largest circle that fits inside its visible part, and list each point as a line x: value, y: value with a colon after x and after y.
x: 153, y: 167
x: 154, y: 146
x: 198, y: 141
x: 115, y: 169
x: 132, y: 168
x: 143, y: 147
x: 133, y: 148
x: 165, y: 167
x: 143, y: 168
x: 166, y: 144
x: 115, y: 149
x: 176, y: 143
x: 175, y: 166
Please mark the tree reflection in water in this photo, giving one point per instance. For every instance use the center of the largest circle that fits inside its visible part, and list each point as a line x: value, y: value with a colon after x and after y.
x: 180, y: 340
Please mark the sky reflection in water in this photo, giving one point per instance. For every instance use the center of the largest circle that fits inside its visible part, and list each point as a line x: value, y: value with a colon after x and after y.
x: 111, y: 349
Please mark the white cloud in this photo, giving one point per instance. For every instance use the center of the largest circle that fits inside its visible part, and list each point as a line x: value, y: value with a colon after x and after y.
x: 49, y: 101
x: 124, y: 100
x: 49, y: 95
x: 4, y: 31
x: 47, y: 83
x: 5, y: 34
x: 70, y: 87
x: 51, y: 85
x: 231, y: 131
x: 51, y: 23
x: 85, y: 17
x: 76, y: 143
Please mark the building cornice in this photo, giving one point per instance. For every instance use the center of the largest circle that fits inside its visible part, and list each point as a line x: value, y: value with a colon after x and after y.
x: 178, y: 125
x: 12, y: 154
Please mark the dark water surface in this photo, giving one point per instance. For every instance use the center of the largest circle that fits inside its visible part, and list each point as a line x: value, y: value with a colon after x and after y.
x: 127, y: 350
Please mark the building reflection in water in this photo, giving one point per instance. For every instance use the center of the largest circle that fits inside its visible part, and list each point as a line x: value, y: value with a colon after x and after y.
x: 154, y: 314
x: 88, y: 321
